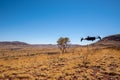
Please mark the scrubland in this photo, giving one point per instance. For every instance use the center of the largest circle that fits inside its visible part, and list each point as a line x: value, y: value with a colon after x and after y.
x: 79, y: 63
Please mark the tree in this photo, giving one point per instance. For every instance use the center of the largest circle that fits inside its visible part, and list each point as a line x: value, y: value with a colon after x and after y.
x: 63, y: 43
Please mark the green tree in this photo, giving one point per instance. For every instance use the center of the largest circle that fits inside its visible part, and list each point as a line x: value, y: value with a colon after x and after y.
x: 63, y: 43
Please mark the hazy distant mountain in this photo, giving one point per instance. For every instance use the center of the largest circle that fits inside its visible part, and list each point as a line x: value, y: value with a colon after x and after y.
x: 109, y: 41
x: 16, y: 43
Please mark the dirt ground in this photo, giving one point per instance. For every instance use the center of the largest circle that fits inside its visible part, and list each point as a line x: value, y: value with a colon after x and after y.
x: 80, y: 63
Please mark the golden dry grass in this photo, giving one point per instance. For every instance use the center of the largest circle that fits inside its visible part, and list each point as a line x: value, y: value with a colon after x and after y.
x: 80, y: 63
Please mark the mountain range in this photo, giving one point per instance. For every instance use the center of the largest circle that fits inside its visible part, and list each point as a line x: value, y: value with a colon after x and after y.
x: 108, y: 41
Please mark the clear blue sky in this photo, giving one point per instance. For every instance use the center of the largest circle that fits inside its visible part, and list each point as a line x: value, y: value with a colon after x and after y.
x: 44, y: 21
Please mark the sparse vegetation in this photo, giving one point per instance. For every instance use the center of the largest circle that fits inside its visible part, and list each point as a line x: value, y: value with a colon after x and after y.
x: 44, y: 63
x: 102, y: 64
x: 63, y: 44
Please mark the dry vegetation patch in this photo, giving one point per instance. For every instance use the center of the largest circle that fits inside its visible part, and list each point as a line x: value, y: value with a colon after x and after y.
x: 49, y: 64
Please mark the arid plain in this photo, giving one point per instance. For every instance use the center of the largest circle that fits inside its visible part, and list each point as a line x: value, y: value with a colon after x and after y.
x: 32, y: 62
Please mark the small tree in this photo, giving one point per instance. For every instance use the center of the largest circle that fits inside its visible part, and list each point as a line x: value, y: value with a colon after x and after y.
x: 63, y: 43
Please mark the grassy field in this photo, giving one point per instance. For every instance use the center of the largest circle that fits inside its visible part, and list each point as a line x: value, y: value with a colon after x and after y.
x: 80, y: 63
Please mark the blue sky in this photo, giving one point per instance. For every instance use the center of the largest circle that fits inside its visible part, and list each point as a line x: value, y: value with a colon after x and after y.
x: 44, y: 21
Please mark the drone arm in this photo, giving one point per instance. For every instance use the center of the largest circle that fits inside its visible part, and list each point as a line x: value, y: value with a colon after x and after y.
x: 81, y: 39
x: 99, y: 37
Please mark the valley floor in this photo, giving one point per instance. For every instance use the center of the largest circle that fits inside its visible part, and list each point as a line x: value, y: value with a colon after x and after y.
x: 81, y: 64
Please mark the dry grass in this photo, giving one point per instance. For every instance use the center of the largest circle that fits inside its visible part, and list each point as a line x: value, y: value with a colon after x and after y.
x: 80, y: 63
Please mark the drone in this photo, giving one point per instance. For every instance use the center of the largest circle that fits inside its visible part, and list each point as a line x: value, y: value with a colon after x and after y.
x: 88, y: 38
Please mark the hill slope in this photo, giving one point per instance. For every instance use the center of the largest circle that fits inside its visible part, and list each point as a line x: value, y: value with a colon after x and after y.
x: 109, y: 41
x: 12, y: 43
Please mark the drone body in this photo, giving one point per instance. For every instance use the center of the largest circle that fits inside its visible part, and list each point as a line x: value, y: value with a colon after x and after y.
x: 91, y: 38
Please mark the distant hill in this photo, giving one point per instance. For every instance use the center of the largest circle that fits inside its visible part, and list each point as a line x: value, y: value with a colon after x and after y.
x: 109, y: 41
x: 16, y: 43
x: 112, y: 38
